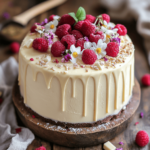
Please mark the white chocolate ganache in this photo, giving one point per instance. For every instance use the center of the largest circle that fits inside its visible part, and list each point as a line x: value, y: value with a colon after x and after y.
x: 75, y: 92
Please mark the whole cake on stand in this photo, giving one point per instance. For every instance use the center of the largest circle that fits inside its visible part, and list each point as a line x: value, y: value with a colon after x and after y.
x: 76, y: 71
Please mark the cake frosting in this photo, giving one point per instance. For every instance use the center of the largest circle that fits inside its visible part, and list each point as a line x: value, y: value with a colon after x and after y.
x: 72, y: 91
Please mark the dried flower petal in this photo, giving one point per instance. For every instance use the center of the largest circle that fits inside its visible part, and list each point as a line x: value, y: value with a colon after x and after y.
x: 141, y: 114
x: 121, y: 143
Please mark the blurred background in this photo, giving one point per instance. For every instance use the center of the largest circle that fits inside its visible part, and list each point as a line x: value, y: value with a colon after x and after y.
x: 131, y: 13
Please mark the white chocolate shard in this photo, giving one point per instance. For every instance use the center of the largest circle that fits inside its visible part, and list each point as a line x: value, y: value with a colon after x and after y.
x: 109, y: 146
x: 97, y: 64
x: 28, y: 43
x: 47, y: 59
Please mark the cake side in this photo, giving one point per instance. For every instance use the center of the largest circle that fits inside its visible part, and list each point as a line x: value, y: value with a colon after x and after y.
x: 76, y: 92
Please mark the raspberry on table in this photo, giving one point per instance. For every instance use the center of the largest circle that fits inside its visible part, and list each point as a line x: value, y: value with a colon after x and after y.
x: 87, y: 28
x: 77, y: 34
x: 41, y: 148
x: 51, y: 18
x: 89, y: 56
x: 112, y: 49
x: 32, y: 30
x: 68, y: 40
x: 142, y: 138
x: 80, y: 43
x: 66, y: 19
x: 40, y: 44
x: 14, y: 47
x: 146, y: 80
x: 121, y: 29
x: 90, y: 18
x: 94, y: 37
x: 78, y: 25
x: 106, y: 17
x: 57, y: 49
x: 63, y: 30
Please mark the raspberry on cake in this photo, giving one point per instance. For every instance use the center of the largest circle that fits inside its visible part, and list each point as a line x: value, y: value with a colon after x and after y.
x: 57, y: 49
x: 68, y: 40
x: 87, y: 28
x: 40, y: 44
x: 77, y: 34
x: 63, y: 30
x: 82, y: 73
x: 89, y: 57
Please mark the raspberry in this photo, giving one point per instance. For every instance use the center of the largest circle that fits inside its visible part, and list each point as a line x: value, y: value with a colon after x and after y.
x: 57, y: 49
x: 95, y: 37
x: 33, y: 29
x: 142, y: 138
x: 41, y: 148
x: 89, y: 57
x: 80, y: 42
x: 87, y: 28
x: 40, y: 44
x: 146, y: 80
x: 18, y: 130
x: 106, y: 17
x: 14, y: 47
x: 51, y: 18
x: 78, y: 25
x: 66, y: 19
x: 77, y: 34
x: 112, y: 49
x: 63, y: 30
x: 90, y: 18
x: 121, y: 29
x: 68, y: 40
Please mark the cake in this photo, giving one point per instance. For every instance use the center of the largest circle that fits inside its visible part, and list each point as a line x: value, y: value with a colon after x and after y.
x: 76, y: 70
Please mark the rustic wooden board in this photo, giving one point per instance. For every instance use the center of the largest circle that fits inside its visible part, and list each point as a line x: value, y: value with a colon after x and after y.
x: 141, y: 65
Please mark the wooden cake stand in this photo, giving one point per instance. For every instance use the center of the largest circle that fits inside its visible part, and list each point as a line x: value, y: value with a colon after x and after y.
x: 77, y: 137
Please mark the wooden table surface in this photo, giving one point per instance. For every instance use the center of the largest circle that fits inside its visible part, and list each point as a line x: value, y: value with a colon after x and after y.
x: 14, y: 7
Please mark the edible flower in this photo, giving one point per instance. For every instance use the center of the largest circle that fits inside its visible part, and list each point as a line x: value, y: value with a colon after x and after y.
x: 99, y: 48
x: 51, y: 26
x: 75, y: 53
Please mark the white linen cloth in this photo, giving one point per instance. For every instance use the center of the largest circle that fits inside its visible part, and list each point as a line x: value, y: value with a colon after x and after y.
x: 9, y: 139
x: 137, y: 9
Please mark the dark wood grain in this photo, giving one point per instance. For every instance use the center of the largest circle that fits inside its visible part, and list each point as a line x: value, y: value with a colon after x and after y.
x: 141, y: 64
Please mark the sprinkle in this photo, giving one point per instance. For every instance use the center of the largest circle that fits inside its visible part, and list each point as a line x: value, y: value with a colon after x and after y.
x: 136, y: 123
x: 141, y: 114
x: 1, y: 100
x: 121, y: 143
x: 82, y: 66
x: 56, y: 61
x: 31, y: 59
x: 86, y: 70
x: 105, y: 59
x: 6, y: 15
x: 33, y: 116
x: 18, y: 130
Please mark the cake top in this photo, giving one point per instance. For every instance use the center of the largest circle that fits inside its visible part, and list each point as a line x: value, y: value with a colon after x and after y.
x: 78, y: 41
